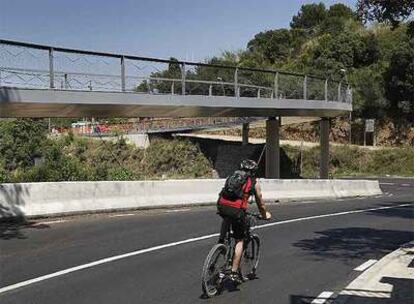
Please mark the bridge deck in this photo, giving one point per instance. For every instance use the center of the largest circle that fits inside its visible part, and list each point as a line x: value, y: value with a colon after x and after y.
x: 20, y: 102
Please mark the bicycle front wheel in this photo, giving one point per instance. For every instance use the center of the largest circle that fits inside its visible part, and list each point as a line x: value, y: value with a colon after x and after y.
x: 250, y: 257
x: 213, y: 270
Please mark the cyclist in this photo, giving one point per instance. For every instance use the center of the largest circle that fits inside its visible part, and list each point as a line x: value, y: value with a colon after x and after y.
x: 232, y: 205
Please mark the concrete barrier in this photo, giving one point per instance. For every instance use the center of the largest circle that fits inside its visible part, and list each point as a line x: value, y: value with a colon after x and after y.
x: 43, y: 199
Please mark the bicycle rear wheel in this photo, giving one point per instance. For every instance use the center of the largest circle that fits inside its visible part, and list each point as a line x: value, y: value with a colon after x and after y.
x: 213, y: 270
x: 250, y: 257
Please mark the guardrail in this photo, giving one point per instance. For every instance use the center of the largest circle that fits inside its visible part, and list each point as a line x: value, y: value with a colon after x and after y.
x: 31, y: 65
x: 43, y: 199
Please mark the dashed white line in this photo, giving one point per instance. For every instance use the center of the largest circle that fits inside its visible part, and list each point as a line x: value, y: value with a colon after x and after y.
x: 122, y: 215
x: 323, y: 297
x: 177, y: 210
x: 387, y: 183
x: 50, y: 222
x: 406, y: 185
x: 365, y: 265
x: 191, y: 240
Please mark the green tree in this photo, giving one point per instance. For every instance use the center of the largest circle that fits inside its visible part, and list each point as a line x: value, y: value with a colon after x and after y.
x: 274, y: 45
x: 337, y: 18
x: 388, y: 11
x: 21, y: 141
x: 399, y: 81
x: 309, y: 16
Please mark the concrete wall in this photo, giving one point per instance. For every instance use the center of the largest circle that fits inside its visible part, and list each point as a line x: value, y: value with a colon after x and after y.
x: 42, y: 199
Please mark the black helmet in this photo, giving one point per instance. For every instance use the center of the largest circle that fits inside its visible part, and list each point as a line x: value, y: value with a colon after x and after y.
x: 249, y: 165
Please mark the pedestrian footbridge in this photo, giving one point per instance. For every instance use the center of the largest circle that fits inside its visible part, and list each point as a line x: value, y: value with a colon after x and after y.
x: 47, y: 81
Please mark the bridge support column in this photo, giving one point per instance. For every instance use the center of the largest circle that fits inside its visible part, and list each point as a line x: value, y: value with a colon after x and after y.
x: 272, y: 148
x: 324, y: 144
x: 245, y: 133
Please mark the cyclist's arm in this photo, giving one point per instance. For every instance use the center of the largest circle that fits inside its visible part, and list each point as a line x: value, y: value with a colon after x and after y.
x: 260, y: 202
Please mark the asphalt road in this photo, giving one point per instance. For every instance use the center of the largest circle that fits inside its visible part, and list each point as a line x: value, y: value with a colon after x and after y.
x: 300, y: 258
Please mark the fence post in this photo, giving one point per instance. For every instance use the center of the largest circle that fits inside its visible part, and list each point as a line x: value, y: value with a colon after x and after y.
x: 326, y: 89
x: 183, y: 79
x: 339, y: 91
x: 172, y: 88
x: 210, y: 90
x: 123, y: 73
x: 51, y: 69
x: 236, y: 81
x: 276, y: 85
x: 258, y: 93
x: 305, y: 87
x: 65, y: 77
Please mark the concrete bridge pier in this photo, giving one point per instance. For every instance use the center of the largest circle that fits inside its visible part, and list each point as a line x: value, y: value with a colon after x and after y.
x: 272, y: 148
x: 245, y: 133
x: 324, y: 144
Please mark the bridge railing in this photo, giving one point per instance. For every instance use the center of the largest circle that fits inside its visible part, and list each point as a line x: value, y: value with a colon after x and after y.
x: 29, y: 65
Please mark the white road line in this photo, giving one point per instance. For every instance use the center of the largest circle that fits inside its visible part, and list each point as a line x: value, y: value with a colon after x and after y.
x: 323, y: 297
x: 177, y: 210
x: 365, y: 265
x: 50, y: 222
x: 122, y: 215
x: 330, y: 215
x: 405, y: 185
x: 387, y: 183
x: 196, y: 239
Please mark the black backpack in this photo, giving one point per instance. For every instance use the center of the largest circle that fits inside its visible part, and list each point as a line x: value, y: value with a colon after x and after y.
x: 233, y: 188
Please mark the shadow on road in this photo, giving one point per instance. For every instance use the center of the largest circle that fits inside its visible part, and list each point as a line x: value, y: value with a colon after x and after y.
x: 402, y: 293
x: 13, y: 228
x: 402, y: 212
x: 295, y: 299
x: 355, y: 242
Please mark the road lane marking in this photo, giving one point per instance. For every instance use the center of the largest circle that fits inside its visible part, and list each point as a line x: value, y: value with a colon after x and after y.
x: 365, y: 265
x: 387, y: 183
x: 405, y: 185
x: 323, y: 297
x: 50, y: 222
x: 330, y: 215
x: 122, y: 214
x: 177, y: 210
x: 191, y: 240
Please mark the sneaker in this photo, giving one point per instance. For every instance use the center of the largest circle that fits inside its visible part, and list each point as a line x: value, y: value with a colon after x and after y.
x: 236, y: 277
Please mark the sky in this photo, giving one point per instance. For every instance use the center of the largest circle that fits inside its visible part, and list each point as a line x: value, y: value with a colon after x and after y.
x: 185, y: 29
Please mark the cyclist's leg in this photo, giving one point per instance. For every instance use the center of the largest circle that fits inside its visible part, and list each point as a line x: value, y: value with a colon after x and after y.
x: 239, y: 230
x: 225, y: 226
x: 238, y: 250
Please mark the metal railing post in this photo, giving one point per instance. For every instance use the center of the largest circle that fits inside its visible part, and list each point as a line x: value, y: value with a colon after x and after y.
x: 172, y: 88
x: 210, y: 90
x: 276, y: 85
x: 339, y: 91
x: 305, y: 87
x: 149, y: 86
x: 350, y: 95
x: 183, y: 79
x: 258, y: 93
x: 236, y: 81
x: 326, y: 89
x: 51, y: 69
x: 123, y: 73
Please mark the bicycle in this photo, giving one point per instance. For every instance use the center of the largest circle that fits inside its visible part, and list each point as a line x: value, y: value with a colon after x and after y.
x: 217, y: 265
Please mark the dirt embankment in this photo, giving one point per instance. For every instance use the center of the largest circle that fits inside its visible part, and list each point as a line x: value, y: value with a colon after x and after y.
x: 387, y: 133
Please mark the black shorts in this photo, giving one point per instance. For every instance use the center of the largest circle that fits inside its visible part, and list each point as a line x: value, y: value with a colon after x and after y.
x: 239, y: 226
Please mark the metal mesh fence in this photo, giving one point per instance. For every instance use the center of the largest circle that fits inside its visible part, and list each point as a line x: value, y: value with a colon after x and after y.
x: 35, y: 66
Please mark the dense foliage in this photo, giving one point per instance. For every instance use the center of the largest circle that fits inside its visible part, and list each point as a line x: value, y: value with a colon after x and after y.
x: 377, y: 57
x: 28, y: 155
